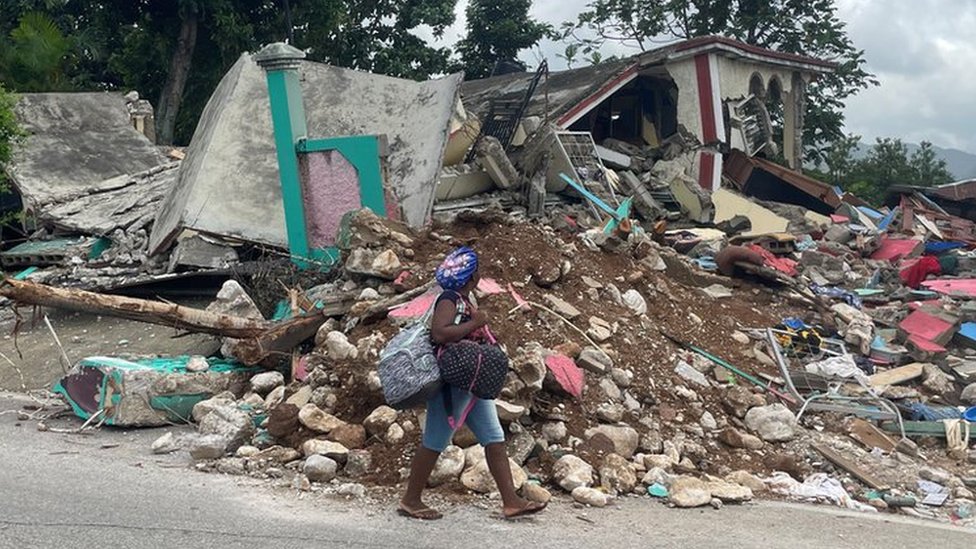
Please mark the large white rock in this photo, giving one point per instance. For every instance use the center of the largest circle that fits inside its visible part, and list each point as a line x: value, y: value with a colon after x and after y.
x: 747, y: 479
x: 529, y: 363
x: 554, y: 431
x: 689, y: 492
x: 571, y: 472
x: 379, y: 420
x: 229, y: 423
x: 264, y: 382
x: 320, y: 468
x: 729, y: 492
x: 969, y: 394
x: 478, y: 478
x: 166, y: 444
x: 327, y: 448
x: 623, y: 437
x: 590, y: 496
x: 449, y: 466
x: 204, y: 407
x: 508, y: 412
x: 617, y: 474
x: 315, y: 419
x: 774, y: 423
x: 634, y: 301
x: 338, y: 346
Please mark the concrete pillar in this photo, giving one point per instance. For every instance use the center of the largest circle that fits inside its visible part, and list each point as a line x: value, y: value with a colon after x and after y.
x: 794, y: 107
x: 281, y: 62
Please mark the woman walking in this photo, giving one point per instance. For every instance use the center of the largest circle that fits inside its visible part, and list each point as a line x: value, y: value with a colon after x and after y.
x: 454, y: 321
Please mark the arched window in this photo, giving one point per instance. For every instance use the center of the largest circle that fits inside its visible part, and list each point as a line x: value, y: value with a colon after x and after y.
x: 756, y: 86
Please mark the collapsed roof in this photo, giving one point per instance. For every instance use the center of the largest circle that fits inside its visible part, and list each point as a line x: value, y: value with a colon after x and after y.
x: 571, y: 92
x: 229, y: 183
x: 77, y: 143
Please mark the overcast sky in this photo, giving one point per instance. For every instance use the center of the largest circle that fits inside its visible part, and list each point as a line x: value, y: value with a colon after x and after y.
x: 922, y: 51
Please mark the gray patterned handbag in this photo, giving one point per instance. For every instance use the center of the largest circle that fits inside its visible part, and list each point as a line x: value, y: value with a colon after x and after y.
x: 408, y: 366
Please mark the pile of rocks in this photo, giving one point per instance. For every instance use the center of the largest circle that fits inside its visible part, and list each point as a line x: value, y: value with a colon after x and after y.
x: 651, y: 420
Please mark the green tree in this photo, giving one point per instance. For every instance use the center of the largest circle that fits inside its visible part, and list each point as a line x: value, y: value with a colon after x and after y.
x: 806, y: 27
x: 375, y: 35
x: 174, y: 52
x: 928, y: 170
x: 888, y: 163
x: 35, y: 54
x: 497, y: 30
x: 10, y: 135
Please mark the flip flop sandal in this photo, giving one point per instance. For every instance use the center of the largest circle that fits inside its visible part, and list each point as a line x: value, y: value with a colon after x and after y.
x: 530, y: 509
x: 420, y: 514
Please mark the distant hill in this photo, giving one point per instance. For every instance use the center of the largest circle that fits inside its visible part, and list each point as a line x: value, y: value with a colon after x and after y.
x: 961, y: 164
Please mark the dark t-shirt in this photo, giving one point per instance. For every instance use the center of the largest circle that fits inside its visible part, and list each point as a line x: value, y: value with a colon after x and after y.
x: 454, y: 298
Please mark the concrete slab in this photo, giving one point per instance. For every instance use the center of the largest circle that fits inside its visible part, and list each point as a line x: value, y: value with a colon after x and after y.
x: 128, y: 202
x: 77, y: 143
x: 729, y: 204
x: 896, y: 375
x: 232, y: 153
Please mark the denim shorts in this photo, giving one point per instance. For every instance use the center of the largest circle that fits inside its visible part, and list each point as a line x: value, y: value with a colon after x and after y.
x: 482, y: 420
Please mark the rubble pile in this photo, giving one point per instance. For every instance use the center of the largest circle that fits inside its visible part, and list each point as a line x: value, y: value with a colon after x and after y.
x: 655, y: 418
x: 685, y: 320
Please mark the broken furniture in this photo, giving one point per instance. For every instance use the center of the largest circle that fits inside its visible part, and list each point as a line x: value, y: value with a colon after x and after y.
x: 146, y: 392
x: 868, y: 406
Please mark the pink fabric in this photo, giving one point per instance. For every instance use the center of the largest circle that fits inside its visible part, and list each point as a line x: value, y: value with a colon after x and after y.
x: 415, y: 308
x: 918, y: 271
x: 781, y: 264
x: 519, y: 300
x: 567, y: 374
x: 489, y: 286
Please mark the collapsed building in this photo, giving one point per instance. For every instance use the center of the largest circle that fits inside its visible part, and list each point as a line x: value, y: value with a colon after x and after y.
x: 673, y: 300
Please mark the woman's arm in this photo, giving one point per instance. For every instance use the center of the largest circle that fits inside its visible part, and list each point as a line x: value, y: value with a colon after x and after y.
x: 442, y: 327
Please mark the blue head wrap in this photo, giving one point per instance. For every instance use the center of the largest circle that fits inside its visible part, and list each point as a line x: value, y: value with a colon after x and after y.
x: 457, y: 269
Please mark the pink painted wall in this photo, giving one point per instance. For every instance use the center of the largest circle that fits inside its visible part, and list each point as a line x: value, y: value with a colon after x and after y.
x: 330, y: 188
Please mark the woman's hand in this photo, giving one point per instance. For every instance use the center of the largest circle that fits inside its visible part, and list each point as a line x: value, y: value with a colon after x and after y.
x: 479, y: 319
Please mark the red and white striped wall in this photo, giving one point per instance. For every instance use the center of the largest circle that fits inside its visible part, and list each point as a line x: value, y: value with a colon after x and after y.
x: 712, y: 121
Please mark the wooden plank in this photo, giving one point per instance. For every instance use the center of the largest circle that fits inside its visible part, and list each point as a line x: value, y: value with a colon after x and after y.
x: 898, y: 375
x: 850, y: 467
x: 870, y: 436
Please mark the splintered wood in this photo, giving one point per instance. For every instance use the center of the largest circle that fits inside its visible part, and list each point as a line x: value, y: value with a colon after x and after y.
x: 850, y: 467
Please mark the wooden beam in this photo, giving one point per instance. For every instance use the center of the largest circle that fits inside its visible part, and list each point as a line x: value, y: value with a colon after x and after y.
x: 142, y: 310
x: 870, y: 436
x: 850, y: 467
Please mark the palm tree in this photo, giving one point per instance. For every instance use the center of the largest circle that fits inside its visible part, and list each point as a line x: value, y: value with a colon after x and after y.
x: 33, y: 57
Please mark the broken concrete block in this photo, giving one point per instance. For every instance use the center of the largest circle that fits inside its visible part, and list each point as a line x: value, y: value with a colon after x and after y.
x: 561, y: 307
x: 150, y: 391
x: 200, y: 252
x: 594, y: 360
x: 385, y: 265
x: 774, y: 423
x: 490, y: 155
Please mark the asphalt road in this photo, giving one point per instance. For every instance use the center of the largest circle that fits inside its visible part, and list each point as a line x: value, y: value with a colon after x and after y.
x: 108, y: 490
